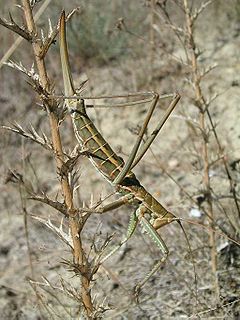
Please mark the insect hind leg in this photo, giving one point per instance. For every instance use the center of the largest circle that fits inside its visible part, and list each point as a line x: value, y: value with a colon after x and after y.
x: 155, y: 236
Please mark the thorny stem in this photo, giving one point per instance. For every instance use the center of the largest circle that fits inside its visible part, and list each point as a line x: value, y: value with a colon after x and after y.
x: 230, y: 179
x: 201, y: 104
x: 152, y: 38
x: 25, y: 218
x: 75, y: 227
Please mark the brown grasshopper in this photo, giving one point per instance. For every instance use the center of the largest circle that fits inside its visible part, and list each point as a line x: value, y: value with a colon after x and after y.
x: 113, y: 168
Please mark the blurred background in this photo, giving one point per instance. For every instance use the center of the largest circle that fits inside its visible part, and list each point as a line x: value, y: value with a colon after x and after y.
x: 121, y: 47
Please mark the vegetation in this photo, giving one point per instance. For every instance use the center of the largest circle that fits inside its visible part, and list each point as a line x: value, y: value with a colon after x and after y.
x: 53, y: 235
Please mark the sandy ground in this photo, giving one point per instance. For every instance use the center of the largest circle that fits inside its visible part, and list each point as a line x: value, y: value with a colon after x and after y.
x: 170, y: 292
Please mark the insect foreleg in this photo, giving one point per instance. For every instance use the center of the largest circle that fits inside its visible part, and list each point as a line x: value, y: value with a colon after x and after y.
x: 115, y: 204
x: 155, y: 132
x: 128, y: 164
x: 134, y: 158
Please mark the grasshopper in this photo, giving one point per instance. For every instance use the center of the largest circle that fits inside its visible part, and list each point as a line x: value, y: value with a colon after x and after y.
x: 113, y: 167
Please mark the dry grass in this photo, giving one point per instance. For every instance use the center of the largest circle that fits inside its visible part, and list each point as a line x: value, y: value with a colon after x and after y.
x: 193, y: 167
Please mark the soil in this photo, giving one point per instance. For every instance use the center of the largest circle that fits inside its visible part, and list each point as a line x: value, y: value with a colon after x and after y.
x: 171, y: 170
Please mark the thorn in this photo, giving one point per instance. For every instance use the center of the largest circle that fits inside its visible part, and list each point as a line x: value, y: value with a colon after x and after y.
x: 42, y: 36
x: 91, y: 200
x: 135, y: 295
x: 61, y: 225
x: 50, y: 28
x: 11, y: 18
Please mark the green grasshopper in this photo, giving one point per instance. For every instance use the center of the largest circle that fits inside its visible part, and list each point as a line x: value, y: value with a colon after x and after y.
x: 113, y: 168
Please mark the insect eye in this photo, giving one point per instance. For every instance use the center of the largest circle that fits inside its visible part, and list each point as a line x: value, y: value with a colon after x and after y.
x: 130, y: 181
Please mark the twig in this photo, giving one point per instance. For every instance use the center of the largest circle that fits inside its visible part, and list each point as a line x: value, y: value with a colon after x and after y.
x: 17, y: 42
x: 200, y: 103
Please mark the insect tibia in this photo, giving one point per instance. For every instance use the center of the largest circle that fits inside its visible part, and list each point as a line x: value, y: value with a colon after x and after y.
x: 162, y: 221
